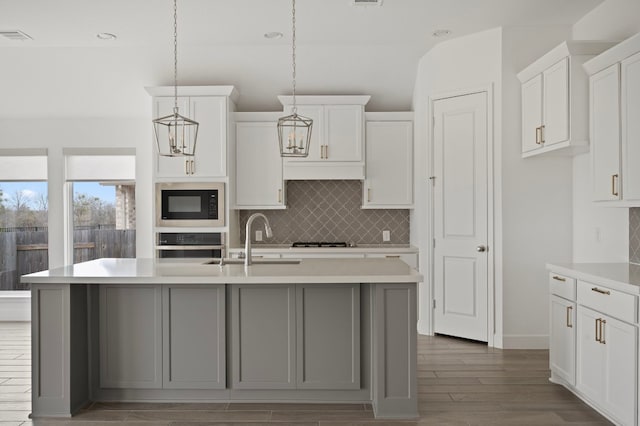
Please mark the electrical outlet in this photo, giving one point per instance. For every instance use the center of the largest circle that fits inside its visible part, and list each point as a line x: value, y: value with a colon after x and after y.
x: 386, y: 236
x: 258, y: 235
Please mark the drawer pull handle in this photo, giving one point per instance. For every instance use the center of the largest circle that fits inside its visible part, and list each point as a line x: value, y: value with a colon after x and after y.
x: 392, y: 256
x: 569, y: 323
x: 557, y: 278
x: 598, y: 290
x: 614, y: 185
x: 598, y: 329
x: 602, y: 324
x: 538, y: 135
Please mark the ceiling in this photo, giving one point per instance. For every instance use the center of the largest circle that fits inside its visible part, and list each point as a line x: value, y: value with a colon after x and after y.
x: 342, y: 49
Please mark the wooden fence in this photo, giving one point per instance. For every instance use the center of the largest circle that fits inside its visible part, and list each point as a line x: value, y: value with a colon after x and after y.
x: 23, y: 252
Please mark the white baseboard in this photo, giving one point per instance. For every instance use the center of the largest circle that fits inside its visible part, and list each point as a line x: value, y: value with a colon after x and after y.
x: 423, y: 328
x: 526, y: 341
x: 15, y: 306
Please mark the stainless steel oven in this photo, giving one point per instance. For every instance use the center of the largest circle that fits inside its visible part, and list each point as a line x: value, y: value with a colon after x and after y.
x: 190, y: 204
x: 190, y: 244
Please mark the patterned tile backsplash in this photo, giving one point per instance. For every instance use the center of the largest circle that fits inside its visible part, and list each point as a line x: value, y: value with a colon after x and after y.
x: 329, y: 210
x: 634, y: 235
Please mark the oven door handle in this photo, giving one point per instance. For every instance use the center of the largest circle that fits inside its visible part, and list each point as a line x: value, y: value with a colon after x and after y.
x: 190, y: 247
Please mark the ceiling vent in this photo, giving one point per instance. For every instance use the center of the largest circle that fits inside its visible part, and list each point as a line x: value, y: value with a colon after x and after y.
x: 15, y: 35
x: 366, y: 2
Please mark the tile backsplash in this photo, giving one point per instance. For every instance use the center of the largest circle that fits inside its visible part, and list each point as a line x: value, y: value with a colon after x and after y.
x: 329, y: 210
x: 634, y: 235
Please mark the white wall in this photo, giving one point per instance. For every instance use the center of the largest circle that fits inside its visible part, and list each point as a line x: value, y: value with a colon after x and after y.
x: 536, y: 201
x: 601, y: 234
x: 466, y: 63
x: 532, y: 196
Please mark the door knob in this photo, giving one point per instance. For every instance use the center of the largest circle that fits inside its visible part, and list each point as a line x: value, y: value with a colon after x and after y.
x: 481, y: 249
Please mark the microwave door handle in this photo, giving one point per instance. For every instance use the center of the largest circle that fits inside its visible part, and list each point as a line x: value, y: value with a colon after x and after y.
x: 189, y: 247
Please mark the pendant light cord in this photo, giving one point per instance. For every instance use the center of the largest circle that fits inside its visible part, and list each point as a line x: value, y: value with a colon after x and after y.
x: 293, y: 54
x: 175, y: 56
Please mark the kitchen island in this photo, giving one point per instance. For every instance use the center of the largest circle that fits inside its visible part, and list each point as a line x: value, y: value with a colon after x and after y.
x: 323, y: 330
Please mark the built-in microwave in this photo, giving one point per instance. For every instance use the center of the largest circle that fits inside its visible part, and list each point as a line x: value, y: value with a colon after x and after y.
x: 190, y: 204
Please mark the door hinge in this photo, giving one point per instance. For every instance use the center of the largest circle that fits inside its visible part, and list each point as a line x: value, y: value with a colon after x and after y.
x: 434, y: 303
x: 434, y: 243
x: 433, y: 180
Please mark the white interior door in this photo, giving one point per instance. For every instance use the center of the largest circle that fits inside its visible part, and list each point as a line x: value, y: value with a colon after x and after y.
x: 460, y: 216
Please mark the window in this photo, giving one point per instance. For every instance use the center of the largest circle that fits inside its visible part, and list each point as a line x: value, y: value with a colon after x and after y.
x: 23, y: 219
x: 103, y: 206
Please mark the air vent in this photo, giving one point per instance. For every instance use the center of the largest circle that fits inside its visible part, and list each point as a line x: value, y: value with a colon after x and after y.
x: 15, y: 35
x: 366, y: 2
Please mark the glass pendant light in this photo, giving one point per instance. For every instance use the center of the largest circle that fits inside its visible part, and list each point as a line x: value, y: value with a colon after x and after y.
x: 176, y: 135
x: 294, y: 131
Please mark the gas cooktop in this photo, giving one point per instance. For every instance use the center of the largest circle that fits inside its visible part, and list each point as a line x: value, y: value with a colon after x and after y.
x: 318, y: 244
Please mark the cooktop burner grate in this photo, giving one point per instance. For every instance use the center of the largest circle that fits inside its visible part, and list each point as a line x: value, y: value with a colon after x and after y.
x: 318, y: 244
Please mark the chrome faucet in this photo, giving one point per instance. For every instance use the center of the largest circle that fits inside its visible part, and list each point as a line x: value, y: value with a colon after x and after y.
x: 247, y: 242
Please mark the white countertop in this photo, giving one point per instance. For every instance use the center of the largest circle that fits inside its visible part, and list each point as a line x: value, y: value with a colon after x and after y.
x: 194, y: 271
x: 619, y: 276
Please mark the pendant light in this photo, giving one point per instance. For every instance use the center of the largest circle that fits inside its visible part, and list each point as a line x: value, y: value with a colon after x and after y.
x: 175, y: 134
x: 294, y: 131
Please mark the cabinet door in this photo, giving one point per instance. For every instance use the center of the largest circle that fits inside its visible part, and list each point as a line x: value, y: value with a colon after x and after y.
x: 169, y: 166
x: 389, y: 164
x: 620, y: 346
x: 316, y: 113
x: 343, y: 132
x: 605, y: 133
x: 562, y: 348
x: 263, y: 336
x: 531, y: 113
x: 130, y: 336
x: 555, y: 101
x: 258, y: 166
x: 211, y: 147
x: 590, y: 379
x: 630, y: 92
x: 328, y: 340
x: 194, y: 336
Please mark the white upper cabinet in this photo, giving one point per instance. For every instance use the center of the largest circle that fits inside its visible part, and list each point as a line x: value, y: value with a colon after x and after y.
x: 259, y: 183
x: 389, y: 163
x: 605, y: 133
x: 210, y: 107
x: 615, y: 128
x: 554, y: 100
x: 337, y: 137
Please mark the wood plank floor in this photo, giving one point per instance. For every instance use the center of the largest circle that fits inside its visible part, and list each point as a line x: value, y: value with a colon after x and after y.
x: 460, y: 383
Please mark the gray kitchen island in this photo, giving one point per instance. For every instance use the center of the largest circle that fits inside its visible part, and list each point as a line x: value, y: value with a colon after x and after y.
x: 161, y: 330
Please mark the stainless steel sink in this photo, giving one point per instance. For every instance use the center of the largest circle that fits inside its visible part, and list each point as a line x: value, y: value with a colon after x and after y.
x: 255, y: 261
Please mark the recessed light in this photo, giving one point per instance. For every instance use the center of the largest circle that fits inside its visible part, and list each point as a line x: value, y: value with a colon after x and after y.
x: 106, y: 36
x: 273, y: 35
x: 441, y: 33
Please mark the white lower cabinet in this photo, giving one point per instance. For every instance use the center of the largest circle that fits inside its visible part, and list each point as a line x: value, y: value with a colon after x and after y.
x: 607, y: 364
x: 562, y: 347
x: 593, y: 346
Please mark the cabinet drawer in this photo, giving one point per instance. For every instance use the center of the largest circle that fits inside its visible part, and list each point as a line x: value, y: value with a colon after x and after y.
x: 562, y: 286
x: 611, y: 302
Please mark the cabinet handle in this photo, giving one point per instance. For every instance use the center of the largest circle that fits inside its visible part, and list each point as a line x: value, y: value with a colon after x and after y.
x: 322, y: 152
x: 542, y: 134
x: 186, y: 167
x: 602, y: 324
x: 557, y: 278
x: 569, y: 323
x: 614, y: 185
x: 193, y: 166
x: 369, y: 194
x: 389, y: 256
x: 598, y: 329
x: 598, y: 290
x: 538, y: 135
x: 326, y: 151
x: 279, y: 195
